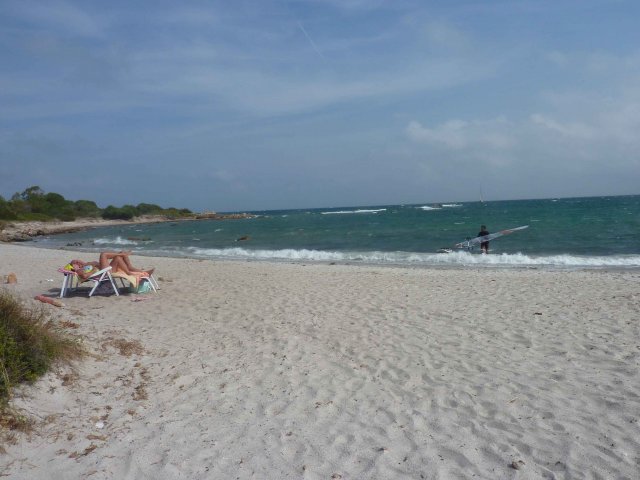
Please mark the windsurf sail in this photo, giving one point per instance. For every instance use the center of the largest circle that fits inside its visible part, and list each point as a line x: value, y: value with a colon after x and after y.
x: 470, y: 243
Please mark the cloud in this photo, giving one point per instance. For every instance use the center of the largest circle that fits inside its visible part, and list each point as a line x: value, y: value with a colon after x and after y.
x: 463, y: 135
x: 266, y: 92
x: 444, y: 35
x: 557, y: 58
x: 234, y: 93
x: 231, y: 60
x: 60, y: 17
x: 567, y: 129
x: 350, y: 4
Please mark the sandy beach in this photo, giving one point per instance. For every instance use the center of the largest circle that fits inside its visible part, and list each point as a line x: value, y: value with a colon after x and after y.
x: 241, y: 370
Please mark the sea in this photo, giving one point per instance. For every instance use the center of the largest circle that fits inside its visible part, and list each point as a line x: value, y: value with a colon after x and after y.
x: 564, y: 233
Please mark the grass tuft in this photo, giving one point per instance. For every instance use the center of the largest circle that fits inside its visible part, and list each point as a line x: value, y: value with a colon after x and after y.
x: 30, y: 343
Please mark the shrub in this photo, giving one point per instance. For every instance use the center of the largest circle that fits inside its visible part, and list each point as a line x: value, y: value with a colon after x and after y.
x: 29, y: 344
x: 148, y: 209
x: 34, y: 217
x: 66, y: 214
x: 114, y: 213
x: 6, y: 212
x: 86, y: 208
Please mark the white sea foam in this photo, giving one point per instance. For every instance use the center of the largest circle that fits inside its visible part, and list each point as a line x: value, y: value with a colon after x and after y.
x: 114, y: 241
x: 451, y: 205
x: 416, y: 258
x: 427, y: 207
x: 355, y: 211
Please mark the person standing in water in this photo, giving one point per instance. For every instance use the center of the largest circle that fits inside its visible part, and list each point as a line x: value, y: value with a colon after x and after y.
x: 484, y: 246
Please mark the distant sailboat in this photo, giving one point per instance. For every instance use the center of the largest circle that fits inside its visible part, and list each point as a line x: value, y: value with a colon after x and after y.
x: 481, y: 198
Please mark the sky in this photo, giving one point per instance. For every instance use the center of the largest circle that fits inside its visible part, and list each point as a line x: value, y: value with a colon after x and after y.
x: 264, y: 104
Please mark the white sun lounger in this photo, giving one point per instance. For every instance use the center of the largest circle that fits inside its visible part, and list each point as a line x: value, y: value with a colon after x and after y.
x: 71, y: 281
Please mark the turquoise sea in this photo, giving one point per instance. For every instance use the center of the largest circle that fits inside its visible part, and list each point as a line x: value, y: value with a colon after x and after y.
x: 565, y: 232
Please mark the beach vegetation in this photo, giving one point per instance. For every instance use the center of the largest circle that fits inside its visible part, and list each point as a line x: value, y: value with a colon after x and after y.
x: 148, y: 209
x: 115, y: 213
x: 87, y: 208
x: 30, y: 344
x: 34, y: 204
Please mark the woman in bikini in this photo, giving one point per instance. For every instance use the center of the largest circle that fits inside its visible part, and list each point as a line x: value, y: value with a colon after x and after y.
x: 119, y: 263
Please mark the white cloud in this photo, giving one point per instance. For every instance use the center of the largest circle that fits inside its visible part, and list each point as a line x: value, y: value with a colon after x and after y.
x: 568, y: 129
x: 557, y: 58
x: 350, y: 4
x: 443, y: 35
x: 59, y: 16
x: 461, y: 134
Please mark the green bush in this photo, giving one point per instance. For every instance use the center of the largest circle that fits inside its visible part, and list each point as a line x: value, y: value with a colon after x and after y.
x: 114, y: 213
x: 34, y: 217
x: 29, y: 344
x: 6, y: 212
x: 86, y: 208
x: 148, y: 209
x: 66, y: 214
x: 33, y: 204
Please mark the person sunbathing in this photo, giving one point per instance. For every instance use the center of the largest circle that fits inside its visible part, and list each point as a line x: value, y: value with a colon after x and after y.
x: 119, y: 263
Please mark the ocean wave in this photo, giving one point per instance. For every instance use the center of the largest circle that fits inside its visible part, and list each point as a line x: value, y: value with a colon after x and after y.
x: 451, y: 205
x: 354, y: 211
x: 114, y: 241
x: 417, y: 259
x: 427, y: 207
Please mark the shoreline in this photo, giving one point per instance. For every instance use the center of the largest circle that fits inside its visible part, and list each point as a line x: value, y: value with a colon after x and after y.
x: 346, y: 263
x: 281, y: 370
x: 93, y: 248
x: 18, y: 231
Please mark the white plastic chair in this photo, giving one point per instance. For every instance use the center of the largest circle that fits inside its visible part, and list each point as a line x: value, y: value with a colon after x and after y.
x: 71, y: 281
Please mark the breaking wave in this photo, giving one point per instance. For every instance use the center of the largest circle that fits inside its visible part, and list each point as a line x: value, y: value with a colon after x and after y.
x: 417, y: 259
x: 114, y: 241
x: 354, y: 211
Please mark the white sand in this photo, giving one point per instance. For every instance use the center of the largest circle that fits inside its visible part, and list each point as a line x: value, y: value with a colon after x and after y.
x: 291, y: 371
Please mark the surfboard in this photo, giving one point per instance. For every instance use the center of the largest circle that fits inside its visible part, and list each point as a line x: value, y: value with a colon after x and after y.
x: 485, y: 238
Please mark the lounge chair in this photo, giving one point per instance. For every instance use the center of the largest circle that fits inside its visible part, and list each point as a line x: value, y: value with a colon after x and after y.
x: 71, y: 281
x: 135, y: 281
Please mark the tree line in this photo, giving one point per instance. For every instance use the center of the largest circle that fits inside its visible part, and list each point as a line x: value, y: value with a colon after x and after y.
x: 33, y: 204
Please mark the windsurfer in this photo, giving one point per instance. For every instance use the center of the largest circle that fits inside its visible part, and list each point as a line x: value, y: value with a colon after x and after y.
x: 484, y: 246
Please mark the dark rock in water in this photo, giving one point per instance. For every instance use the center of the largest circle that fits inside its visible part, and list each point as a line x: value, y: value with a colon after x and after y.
x: 74, y: 244
x: 246, y: 237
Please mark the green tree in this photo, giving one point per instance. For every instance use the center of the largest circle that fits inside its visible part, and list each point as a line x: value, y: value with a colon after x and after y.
x: 32, y: 193
x: 148, y: 208
x: 114, y: 213
x: 55, y: 200
x: 86, y: 208
x: 6, y: 213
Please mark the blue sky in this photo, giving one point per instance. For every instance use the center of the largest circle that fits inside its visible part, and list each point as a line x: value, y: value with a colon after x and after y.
x: 251, y: 105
